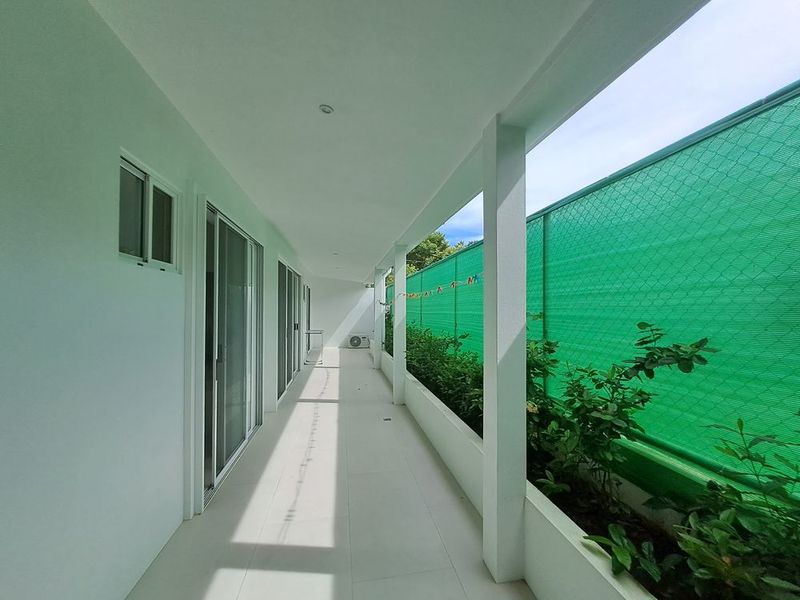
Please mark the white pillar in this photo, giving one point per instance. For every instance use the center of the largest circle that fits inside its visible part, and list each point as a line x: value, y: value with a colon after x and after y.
x: 377, y: 328
x: 399, y: 349
x: 504, y: 350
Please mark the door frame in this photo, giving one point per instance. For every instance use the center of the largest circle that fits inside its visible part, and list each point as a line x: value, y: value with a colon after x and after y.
x: 293, y: 360
x: 254, y: 254
x: 195, y: 340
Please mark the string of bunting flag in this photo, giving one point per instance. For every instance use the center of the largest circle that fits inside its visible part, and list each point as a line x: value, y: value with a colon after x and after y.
x: 441, y: 289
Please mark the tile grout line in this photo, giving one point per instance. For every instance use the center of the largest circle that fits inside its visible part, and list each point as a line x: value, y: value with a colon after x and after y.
x: 346, y: 450
x: 360, y: 581
x: 427, y: 505
x: 282, y: 407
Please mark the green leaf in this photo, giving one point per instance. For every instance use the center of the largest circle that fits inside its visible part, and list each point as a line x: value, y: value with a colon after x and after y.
x: 729, y: 451
x: 651, y: 569
x: 647, y: 549
x: 617, y: 533
x: 600, y: 539
x: 760, y: 439
x: 642, y: 325
x: 752, y: 524
x: 724, y: 427
x: 727, y: 516
x: 616, y: 566
x: 740, y: 425
x: 623, y: 556
x: 781, y: 584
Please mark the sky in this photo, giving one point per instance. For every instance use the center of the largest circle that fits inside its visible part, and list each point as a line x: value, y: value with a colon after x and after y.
x: 728, y: 55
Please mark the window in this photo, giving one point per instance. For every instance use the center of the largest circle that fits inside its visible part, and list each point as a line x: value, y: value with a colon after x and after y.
x: 162, y: 225
x: 146, y: 217
x: 131, y: 210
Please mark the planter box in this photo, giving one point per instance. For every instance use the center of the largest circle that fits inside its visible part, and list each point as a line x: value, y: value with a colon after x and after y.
x: 558, y: 562
x: 559, y: 565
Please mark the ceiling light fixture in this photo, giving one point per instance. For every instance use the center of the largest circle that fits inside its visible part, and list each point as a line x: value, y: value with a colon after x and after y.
x: 326, y: 108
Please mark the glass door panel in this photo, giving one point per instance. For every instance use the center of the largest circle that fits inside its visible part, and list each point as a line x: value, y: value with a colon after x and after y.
x: 233, y: 346
x: 233, y: 343
x: 289, y: 326
x: 209, y: 473
x: 282, y: 380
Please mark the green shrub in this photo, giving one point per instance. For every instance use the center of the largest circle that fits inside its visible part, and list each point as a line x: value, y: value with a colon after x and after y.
x: 745, y: 542
x: 737, y: 543
x: 453, y: 375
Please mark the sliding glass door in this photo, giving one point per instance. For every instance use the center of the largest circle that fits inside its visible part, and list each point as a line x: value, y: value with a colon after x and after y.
x: 233, y: 328
x: 307, y: 296
x: 289, y: 335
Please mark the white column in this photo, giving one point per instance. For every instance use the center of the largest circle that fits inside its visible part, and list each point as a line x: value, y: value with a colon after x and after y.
x: 399, y: 349
x: 504, y: 350
x: 377, y: 328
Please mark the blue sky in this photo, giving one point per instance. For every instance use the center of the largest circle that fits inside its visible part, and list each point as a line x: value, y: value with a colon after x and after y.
x: 731, y: 53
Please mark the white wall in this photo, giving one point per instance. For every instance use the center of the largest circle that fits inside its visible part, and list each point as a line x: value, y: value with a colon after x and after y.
x: 341, y: 308
x: 92, y: 355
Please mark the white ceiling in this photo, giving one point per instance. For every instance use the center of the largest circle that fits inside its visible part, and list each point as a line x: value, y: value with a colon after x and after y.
x: 412, y: 82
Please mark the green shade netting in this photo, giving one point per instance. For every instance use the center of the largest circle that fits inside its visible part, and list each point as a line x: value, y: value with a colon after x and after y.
x: 704, y: 242
x: 437, y: 308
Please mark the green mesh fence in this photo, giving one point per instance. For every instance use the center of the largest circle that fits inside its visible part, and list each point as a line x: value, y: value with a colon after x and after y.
x: 702, y: 239
x: 438, y: 309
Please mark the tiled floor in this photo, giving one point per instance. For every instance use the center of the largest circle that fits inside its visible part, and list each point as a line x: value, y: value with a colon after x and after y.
x: 339, y: 496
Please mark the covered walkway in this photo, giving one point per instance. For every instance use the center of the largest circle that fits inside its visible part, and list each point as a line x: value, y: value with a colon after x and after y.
x: 338, y: 496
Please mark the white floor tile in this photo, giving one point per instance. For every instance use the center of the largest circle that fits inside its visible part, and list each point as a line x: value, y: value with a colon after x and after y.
x: 459, y: 526
x: 309, y: 559
x: 339, y: 486
x: 395, y: 544
x: 431, y: 585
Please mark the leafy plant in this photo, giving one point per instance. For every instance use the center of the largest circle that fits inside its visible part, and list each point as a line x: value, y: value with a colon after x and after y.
x: 388, y: 335
x: 453, y: 375
x: 625, y: 556
x: 684, y: 356
x: 540, y: 364
x: 549, y: 486
x: 745, y: 543
x: 598, y: 408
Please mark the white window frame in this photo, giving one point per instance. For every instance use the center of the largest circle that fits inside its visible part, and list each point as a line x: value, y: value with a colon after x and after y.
x: 151, y: 180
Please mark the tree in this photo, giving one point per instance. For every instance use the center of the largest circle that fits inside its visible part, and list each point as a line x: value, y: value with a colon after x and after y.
x: 432, y: 249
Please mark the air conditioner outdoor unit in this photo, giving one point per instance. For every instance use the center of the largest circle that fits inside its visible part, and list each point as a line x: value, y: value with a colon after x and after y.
x: 358, y: 341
